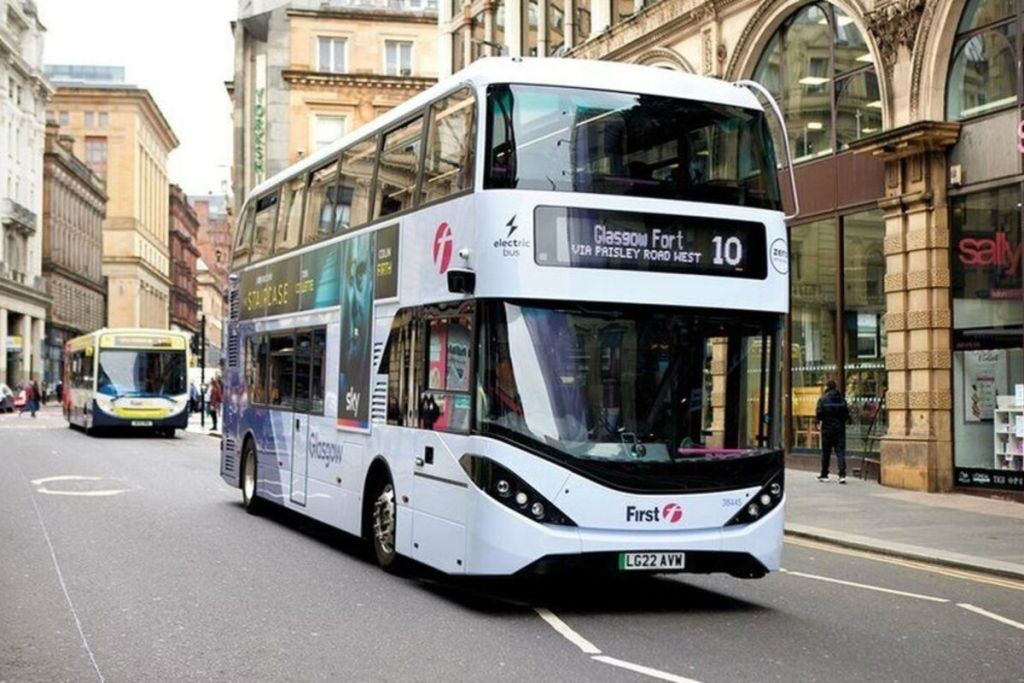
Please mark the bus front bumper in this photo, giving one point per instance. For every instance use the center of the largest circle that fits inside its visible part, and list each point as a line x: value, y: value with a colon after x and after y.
x: 101, y: 418
x: 521, y: 546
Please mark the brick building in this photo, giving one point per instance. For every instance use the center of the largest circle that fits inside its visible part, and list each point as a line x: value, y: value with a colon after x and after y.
x: 215, y: 233
x: 184, y: 224
x: 74, y: 206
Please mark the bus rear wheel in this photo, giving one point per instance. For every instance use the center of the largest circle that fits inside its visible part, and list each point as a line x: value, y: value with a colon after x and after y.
x: 250, y: 501
x: 383, y: 519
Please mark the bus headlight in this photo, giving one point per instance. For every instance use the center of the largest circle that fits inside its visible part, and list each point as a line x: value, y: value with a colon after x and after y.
x: 763, y: 502
x: 500, y: 483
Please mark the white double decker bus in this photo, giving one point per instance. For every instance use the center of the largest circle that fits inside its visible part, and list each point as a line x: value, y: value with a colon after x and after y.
x: 530, y: 319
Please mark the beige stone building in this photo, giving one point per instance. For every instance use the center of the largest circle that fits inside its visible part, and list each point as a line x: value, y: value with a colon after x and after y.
x: 903, y: 118
x: 122, y: 135
x: 309, y: 71
x: 74, y: 206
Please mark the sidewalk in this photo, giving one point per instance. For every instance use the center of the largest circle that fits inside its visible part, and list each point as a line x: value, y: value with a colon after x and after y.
x: 195, y: 428
x: 953, y: 529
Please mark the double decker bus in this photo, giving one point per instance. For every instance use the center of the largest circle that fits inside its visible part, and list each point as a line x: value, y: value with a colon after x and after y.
x: 524, y: 321
x: 132, y: 378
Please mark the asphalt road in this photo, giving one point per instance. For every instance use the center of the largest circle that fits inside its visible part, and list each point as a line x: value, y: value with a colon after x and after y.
x: 139, y: 564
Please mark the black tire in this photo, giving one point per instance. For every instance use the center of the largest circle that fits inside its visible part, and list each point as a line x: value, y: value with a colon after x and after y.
x: 250, y: 501
x: 383, y: 512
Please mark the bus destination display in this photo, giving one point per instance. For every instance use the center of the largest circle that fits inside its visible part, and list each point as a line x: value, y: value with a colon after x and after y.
x: 627, y: 240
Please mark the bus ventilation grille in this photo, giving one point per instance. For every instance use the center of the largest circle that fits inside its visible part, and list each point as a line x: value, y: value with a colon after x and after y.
x: 379, y: 400
x: 232, y: 303
x: 230, y: 449
x: 232, y: 348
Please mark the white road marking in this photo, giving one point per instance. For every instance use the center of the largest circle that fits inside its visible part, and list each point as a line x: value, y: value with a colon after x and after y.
x: 65, y: 477
x: 106, y: 492
x: 589, y: 648
x: 64, y: 587
x: 566, y: 631
x: 910, y: 564
x: 865, y: 586
x: 41, y: 488
x: 991, y: 615
x: 640, y: 669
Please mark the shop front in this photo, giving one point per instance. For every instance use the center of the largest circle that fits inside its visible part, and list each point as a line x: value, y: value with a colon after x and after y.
x: 988, y: 358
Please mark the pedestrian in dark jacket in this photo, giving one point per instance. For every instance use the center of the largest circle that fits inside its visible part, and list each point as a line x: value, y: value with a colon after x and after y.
x: 832, y: 414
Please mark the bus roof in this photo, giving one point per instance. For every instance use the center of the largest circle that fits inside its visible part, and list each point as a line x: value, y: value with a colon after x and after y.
x: 551, y: 71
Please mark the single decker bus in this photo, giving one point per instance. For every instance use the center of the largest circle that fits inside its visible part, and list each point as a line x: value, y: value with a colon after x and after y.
x: 531, y: 319
x: 131, y: 378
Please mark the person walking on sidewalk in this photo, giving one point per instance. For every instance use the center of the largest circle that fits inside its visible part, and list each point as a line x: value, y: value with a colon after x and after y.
x: 28, y: 399
x: 36, y: 395
x: 832, y: 414
x: 214, y: 400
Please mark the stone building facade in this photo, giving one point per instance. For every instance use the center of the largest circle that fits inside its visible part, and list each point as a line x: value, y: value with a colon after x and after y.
x: 121, y: 134
x: 904, y: 119
x: 184, y: 254
x: 74, y: 206
x: 308, y: 71
x: 23, y: 94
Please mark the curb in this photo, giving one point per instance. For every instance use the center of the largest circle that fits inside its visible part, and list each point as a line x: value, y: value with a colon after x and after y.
x: 906, y: 551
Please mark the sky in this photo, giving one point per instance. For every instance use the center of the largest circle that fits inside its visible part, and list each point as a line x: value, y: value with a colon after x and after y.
x: 181, y: 51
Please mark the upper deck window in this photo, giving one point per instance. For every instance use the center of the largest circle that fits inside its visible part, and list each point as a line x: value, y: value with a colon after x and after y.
x: 575, y: 140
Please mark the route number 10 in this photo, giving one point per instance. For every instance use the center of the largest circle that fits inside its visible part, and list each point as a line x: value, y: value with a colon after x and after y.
x: 731, y: 251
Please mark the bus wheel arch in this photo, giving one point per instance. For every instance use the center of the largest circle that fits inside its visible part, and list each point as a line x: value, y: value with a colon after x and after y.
x: 250, y: 501
x: 379, y: 509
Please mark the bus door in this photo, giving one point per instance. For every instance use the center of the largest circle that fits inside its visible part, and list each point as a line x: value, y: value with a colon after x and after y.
x: 300, y: 417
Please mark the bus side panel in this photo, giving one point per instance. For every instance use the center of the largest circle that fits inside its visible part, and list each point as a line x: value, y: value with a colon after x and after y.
x: 273, y: 432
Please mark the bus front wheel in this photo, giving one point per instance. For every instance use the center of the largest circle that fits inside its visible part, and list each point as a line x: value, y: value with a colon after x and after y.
x: 250, y: 501
x: 384, y: 515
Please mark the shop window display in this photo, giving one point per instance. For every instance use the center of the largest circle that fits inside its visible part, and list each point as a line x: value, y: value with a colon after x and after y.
x: 863, y: 329
x: 988, y: 362
x: 812, y: 323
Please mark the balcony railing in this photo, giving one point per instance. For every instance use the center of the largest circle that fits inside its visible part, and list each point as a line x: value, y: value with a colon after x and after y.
x: 20, y: 277
x: 14, y: 214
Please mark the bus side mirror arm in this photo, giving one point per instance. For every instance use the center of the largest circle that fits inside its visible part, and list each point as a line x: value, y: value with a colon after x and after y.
x: 461, y: 281
x: 763, y: 92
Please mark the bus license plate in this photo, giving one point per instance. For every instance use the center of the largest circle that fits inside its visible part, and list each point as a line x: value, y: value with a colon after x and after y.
x: 652, y: 561
x: 142, y: 423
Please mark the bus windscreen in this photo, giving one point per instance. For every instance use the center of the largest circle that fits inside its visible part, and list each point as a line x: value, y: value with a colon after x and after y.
x: 130, y: 372
x: 603, y: 142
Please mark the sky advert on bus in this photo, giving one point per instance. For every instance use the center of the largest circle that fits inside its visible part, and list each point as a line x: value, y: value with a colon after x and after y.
x: 357, y: 255
x: 628, y: 240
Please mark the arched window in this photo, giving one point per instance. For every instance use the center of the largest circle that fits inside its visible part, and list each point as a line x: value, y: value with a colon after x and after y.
x: 983, y: 73
x: 819, y: 68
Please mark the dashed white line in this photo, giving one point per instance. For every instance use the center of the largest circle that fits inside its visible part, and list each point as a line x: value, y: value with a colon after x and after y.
x: 589, y: 648
x: 991, y: 615
x: 854, y: 584
x: 566, y: 631
x: 646, y: 670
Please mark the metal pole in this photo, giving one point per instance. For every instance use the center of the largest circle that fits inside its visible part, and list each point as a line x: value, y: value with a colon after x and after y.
x: 202, y: 371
